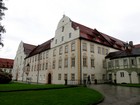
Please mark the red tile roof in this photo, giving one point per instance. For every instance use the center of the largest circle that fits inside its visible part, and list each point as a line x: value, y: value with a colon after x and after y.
x: 40, y: 48
x: 6, y: 63
x: 137, y: 46
x: 98, y: 37
x: 28, y: 48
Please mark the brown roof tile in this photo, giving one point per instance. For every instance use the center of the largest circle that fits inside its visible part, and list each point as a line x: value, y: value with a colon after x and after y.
x: 28, y: 48
x: 6, y: 63
x: 98, y: 37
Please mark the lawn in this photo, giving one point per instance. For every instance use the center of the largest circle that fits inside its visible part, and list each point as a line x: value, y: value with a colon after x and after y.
x: 65, y: 96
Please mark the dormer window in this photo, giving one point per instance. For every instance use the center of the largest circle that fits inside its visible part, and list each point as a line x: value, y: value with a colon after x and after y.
x: 62, y: 28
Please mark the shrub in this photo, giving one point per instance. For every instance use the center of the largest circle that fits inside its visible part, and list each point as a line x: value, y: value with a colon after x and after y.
x: 5, y: 77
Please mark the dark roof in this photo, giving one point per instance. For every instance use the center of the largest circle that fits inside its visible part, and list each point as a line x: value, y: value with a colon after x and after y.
x: 28, y: 48
x: 98, y: 37
x: 40, y: 48
x: 126, y: 53
x: 6, y: 63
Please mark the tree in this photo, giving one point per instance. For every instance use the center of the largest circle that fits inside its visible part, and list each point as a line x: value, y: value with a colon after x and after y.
x: 2, y: 29
x: 5, y: 77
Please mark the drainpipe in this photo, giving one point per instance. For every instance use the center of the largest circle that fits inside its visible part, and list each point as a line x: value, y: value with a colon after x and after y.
x: 80, y: 63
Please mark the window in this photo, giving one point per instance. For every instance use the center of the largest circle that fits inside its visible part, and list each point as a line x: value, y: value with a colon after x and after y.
x: 103, y: 51
x: 117, y: 63
x: 109, y: 64
x: 92, y: 77
x: 60, y: 63
x: 62, y: 28
x: 106, y: 51
x: 85, y: 61
x: 35, y: 68
x: 73, y: 46
x: 72, y: 77
x: 125, y: 63
x: 133, y: 62
x: 69, y: 35
x: 43, y: 66
x: 54, y: 52
x: 84, y: 47
x: 84, y: 76
x: 53, y: 64
x: 73, y: 61
x: 99, y: 50
x: 121, y: 74
x: 66, y: 62
x: 55, y: 41
x: 47, y: 54
x: 66, y: 49
x: 65, y: 76
x: 92, y: 48
x: 92, y: 62
x: 60, y: 50
x: 62, y: 38
x: 46, y: 66
x: 59, y: 76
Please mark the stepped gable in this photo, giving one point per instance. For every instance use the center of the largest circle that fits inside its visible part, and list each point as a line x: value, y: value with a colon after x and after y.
x: 98, y: 37
x: 6, y: 63
x: 28, y: 48
x: 40, y: 48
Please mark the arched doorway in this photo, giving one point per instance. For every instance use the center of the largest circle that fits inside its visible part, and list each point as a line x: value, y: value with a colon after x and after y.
x: 49, y: 78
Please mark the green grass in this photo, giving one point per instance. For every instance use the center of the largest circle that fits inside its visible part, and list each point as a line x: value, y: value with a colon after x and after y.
x: 23, y: 86
x: 65, y: 96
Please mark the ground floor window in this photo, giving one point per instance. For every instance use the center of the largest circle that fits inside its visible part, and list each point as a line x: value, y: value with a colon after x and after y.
x: 121, y: 74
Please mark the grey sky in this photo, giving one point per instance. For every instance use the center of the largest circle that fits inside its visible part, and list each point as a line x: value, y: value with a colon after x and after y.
x: 35, y: 21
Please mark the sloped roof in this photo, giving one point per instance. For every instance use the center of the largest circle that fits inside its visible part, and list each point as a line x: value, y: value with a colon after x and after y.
x: 126, y: 53
x: 98, y: 37
x: 6, y: 63
x: 40, y: 48
x: 137, y: 46
x: 28, y: 48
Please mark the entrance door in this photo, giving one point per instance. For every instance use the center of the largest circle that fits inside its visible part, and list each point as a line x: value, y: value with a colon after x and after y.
x: 49, y: 78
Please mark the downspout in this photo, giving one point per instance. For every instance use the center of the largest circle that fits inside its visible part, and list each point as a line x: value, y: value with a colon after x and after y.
x: 80, y: 63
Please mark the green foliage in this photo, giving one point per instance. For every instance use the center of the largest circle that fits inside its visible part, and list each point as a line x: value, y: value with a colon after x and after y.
x: 5, y: 77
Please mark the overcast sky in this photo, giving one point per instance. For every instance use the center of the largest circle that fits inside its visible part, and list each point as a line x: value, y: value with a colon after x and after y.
x: 35, y: 21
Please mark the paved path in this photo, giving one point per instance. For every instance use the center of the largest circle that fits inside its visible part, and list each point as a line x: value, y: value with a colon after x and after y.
x: 118, y: 95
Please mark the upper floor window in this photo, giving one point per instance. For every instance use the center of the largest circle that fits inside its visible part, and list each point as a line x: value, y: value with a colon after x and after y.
x: 92, y: 62
x: 85, y: 61
x: 69, y: 35
x: 103, y: 51
x: 47, y: 54
x: 66, y: 49
x: 117, y: 63
x: 73, y: 46
x: 107, y: 51
x: 59, y: 76
x: 125, y: 63
x: 62, y: 28
x: 60, y: 50
x: 73, y: 61
x: 62, y: 38
x: 60, y: 63
x: 54, y: 52
x: 99, y: 50
x: 133, y: 62
x: 92, y: 48
x: 46, y: 65
x: 66, y: 62
x: 84, y: 47
x: 53, y: 66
